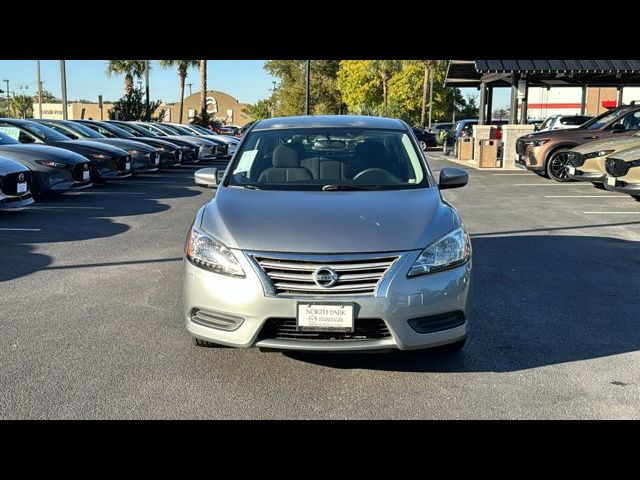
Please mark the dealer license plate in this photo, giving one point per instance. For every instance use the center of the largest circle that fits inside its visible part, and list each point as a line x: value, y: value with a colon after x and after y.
x: 611, y: 181
x: 325, y: 317
x: 127, y: 166
x: 85, y: 175
x: 21, y: 187
x: 572, y: 170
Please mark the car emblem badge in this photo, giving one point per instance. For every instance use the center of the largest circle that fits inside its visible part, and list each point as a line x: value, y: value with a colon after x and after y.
x: 21, y: 177
x: 325, y: 277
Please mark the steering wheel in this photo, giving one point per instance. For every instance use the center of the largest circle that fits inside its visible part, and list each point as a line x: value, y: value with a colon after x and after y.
x: 377, y: 175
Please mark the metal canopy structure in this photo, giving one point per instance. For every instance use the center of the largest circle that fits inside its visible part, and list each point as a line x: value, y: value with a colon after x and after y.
x: 488, y: 74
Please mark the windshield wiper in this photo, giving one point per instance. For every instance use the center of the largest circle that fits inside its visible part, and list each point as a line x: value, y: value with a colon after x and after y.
x: 350, y: 187
x: 247, y: 187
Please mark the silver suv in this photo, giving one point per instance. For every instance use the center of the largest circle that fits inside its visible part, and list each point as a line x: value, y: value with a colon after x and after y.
x: 328, y: 233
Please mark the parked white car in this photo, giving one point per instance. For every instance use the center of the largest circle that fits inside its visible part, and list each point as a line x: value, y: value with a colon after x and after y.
x: 560, y: 122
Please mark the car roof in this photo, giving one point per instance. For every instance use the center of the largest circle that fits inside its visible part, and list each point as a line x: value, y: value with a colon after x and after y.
x: 315, y: 121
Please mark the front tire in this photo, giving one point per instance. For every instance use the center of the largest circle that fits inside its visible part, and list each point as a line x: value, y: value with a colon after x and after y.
x: 558, y: 165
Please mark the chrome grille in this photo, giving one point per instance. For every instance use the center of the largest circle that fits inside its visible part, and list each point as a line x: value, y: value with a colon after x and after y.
x: 295, y: 276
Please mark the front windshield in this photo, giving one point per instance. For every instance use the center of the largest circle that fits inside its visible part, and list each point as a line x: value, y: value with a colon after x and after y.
x: 328, y: 159
x: 181, y: 129
x: 167, y: 129
x: 201, y: 130
x: 117, y: 131
x: 546, y: 123
x: 133, y: 130
x: 153, y: 130
x: 84, y: 130
x: 7, y: 140
x: 45, y: 133
x: 601, y: 120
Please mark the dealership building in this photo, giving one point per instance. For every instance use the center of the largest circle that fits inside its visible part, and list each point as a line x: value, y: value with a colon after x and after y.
x: 220, y: 106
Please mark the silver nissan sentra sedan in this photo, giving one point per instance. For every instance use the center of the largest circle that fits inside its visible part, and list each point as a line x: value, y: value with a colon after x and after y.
x: 328, y: 233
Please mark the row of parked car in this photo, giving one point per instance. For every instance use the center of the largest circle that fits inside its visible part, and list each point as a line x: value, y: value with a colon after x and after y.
x: 605, y: 151
x: 39, y: 157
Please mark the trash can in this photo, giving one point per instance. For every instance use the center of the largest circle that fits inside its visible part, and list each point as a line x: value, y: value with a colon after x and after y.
x: 465, y: 148
x: 488, y: 155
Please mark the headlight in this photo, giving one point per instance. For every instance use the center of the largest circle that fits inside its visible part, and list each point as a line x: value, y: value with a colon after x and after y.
x: 207, y: 252
x: 133, y: 151
x: 600, y: 153
x: 99, y: 156
x: 162, y: 149
x: 49, y: 163
x: 536, y: 143
x: 450, y: 251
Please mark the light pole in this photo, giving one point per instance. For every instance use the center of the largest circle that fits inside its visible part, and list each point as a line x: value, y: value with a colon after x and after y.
x: 39, y: 88
x: 189, y: 85
x: 306, y: 102
x: 63, y: 81
x: 8, y: 100
x: 146, y: 81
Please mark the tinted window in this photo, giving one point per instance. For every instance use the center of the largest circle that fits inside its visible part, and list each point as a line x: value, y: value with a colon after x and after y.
x: 573, y: 121
x: 602, y: 119
x: 630, y: 122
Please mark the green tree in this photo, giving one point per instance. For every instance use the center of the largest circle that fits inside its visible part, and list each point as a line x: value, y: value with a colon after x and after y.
x: 289, y: 98
x: 259, y: 110
x: 360, y: 89
x: 429, y: 65
x: 405, y: 92
x: 129, y: 68
x: 133, y: 106
x: 22, y: 105
x: 385, y: 69
x: 47, y: 97
x: 204, y: 116
x: 469, y: 107
x: 183, y: 70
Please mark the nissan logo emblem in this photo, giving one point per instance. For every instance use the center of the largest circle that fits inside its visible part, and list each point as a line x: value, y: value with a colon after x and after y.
x: 325, y: 277
x: 21, y: 177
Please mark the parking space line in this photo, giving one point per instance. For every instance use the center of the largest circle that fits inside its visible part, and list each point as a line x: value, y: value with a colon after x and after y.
x: 614, y: 213
x: 109, y: 192
x: 505, y: 174
x: 66, y: 208
x: 584, y: 196
x: 555, y: 184
x: 140, y: 182
x: 20, y: 229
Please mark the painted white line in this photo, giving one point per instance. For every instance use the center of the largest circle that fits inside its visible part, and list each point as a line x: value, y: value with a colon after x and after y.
x: 584, y: 196
x: 504, y: 174
x: 20, y: 229
x: 111, y: 192
x: 140, y: 182
x: 555, y: 184
x: 67, y: 208
x: 613, y: 213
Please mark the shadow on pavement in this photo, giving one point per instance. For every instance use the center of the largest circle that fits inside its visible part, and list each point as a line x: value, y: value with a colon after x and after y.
x: 83, y: 215
x: 536, y: 301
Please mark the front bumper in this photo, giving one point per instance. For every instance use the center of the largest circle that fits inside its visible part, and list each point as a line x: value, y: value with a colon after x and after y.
x: 401, y: 300
x: 531, y: 159
x: 624, y: 187
x: 145, y: 163
x: 10, y: 202
x: 593, y: 177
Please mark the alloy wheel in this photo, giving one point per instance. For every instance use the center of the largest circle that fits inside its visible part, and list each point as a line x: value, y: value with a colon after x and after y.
x: 558, y: 167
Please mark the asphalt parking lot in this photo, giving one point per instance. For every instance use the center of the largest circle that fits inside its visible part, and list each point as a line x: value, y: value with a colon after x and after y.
x: 91, y: 325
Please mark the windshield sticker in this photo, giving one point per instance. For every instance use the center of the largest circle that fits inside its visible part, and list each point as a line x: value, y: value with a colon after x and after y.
x: 244, y: 164
x: 12, y: 132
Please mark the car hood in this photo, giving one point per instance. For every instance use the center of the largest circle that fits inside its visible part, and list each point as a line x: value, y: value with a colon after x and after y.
x: 32, y: 152
x: 156, y: 142
x: 125, y: 144
x: 327, y: 222
x: 619, y: 143
x: 628, y: 155
x: 9, y: 166
x: 89, y: 146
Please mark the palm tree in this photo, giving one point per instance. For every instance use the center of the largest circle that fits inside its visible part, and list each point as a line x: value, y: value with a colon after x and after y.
x: 203, y: 92
x: 128, y: 68
x: 385, y: 70
x: 429, y: 65
x: 183, y: 70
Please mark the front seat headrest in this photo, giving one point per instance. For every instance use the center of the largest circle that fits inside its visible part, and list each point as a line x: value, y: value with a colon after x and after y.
x: 285, y: 157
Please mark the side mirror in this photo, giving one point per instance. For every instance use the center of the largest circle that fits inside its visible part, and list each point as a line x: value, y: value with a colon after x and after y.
x: 618, y: 127
x: 453, y: 178
x: 206, y: 177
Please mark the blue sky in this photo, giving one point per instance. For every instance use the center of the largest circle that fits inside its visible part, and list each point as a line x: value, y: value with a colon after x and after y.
x: 246, y: 80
